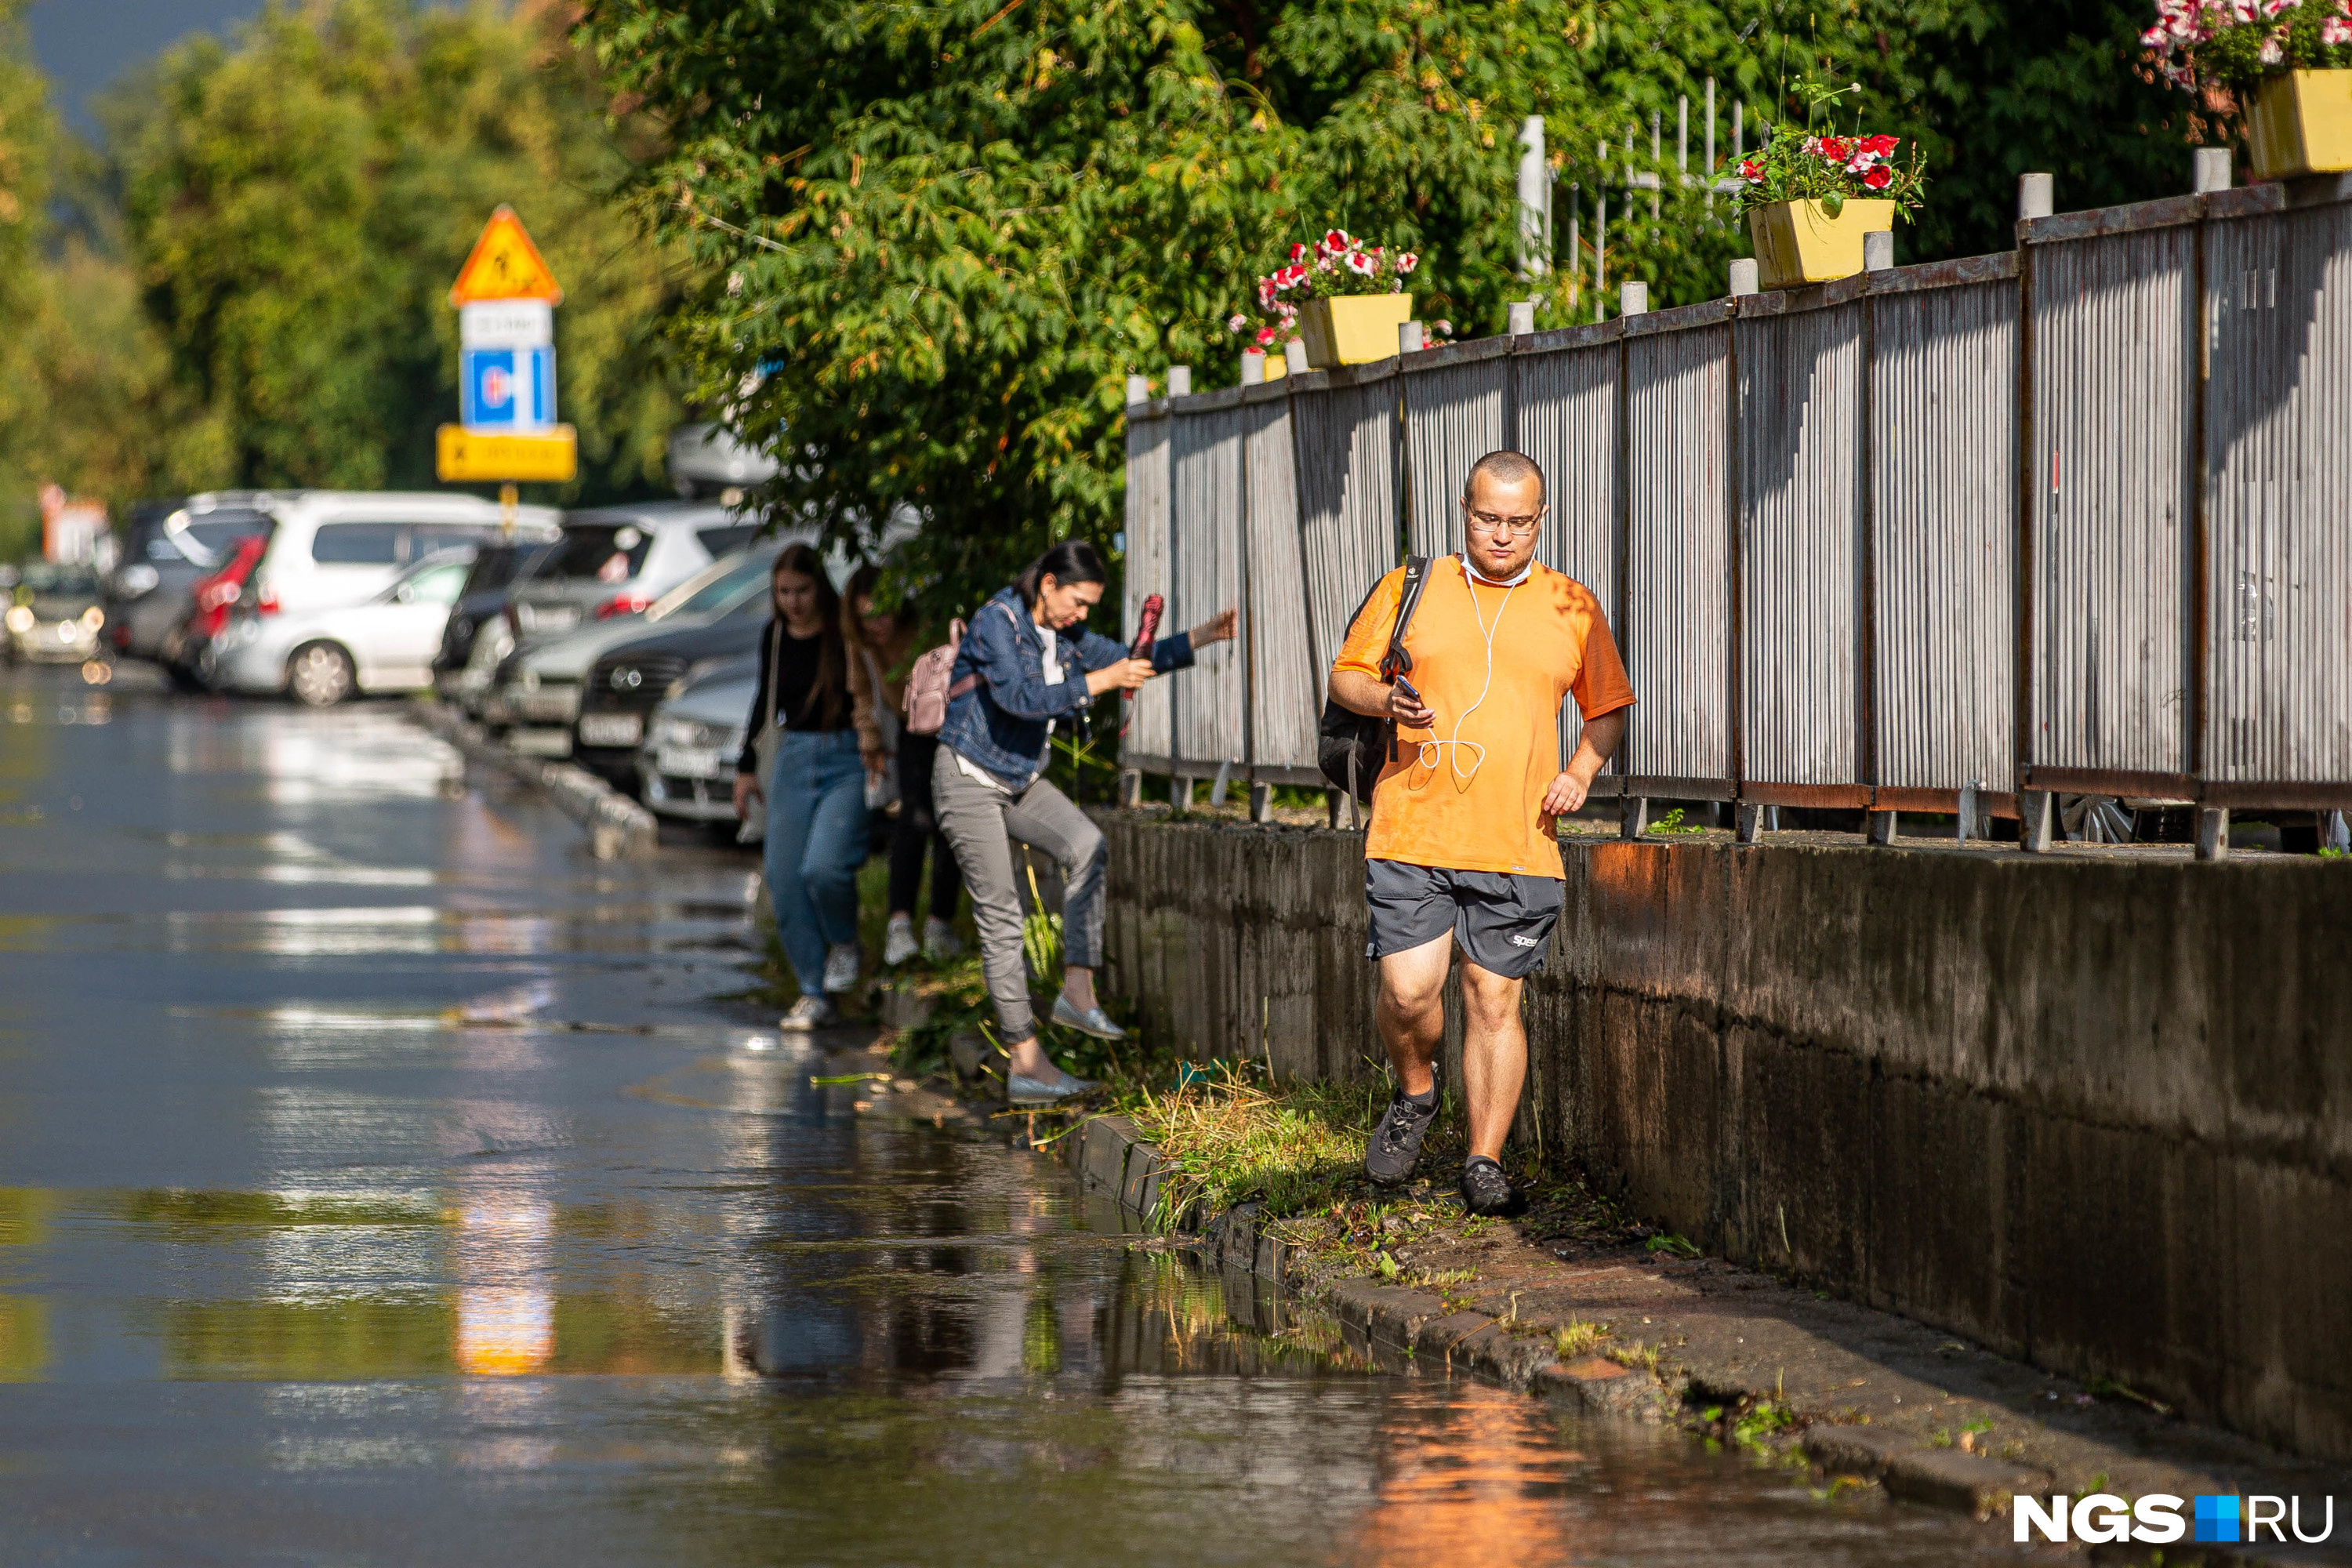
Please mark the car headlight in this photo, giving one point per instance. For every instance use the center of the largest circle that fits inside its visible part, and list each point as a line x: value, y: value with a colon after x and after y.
x: 20, y: 619
x: 136, y: 579
x: 93, y: 617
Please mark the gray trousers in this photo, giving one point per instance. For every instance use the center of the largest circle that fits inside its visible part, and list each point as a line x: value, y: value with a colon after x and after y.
x: 980, y: 824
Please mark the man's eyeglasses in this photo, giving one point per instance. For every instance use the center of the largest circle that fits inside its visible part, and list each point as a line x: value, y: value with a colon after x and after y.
x: 1485, y: 524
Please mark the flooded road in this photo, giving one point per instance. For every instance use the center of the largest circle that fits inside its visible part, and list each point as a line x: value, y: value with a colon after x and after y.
x: 383, y: 1182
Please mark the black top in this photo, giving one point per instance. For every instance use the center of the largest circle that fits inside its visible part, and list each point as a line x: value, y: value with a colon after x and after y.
x: 794, y: 677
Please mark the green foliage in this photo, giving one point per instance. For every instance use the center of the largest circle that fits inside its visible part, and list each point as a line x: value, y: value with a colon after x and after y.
x: 297, y: 202
x: 938, y: 236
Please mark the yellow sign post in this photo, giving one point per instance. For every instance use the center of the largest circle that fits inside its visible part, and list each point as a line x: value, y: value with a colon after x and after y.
x: 505, y: 296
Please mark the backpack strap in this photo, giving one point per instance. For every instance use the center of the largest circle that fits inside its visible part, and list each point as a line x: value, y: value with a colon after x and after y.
x: 970, y: 683
x: 1416, y: 578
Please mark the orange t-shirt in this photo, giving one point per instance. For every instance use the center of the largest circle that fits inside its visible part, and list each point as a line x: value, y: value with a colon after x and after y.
x: 1550, y: 639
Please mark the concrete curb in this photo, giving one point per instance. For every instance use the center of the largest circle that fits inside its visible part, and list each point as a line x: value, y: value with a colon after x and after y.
x: 1386, y: 1322
x: 618, y: 827
x: 1946, y: 1478
x: 1398, y: 1327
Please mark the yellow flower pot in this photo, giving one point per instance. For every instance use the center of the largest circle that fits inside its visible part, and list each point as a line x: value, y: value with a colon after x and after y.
x: 2301, y: 123
x: 1797, y: 242
x: 1353, y: 329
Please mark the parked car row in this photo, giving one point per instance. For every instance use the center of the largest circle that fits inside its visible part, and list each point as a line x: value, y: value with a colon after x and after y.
x: 622, y: 637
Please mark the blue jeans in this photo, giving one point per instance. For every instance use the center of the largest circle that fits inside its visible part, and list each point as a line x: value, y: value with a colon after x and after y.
x: 816, y: 841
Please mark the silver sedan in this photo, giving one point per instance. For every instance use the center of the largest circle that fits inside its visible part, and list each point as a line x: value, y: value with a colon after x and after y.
x: 320, y: 656
x: 687, y: 765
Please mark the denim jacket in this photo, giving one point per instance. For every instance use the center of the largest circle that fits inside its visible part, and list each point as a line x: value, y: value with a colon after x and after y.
x: 1001, y: 724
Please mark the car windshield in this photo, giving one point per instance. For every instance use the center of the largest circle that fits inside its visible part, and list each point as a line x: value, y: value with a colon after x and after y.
x: 203, y: 539
x: 438, y: 584
x: 599, y: 551
x: 715, y: 588
x: 501, y: 565
x: 47, y: 577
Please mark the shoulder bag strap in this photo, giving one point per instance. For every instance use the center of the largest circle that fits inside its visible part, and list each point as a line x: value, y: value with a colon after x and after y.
x: 776, y: 667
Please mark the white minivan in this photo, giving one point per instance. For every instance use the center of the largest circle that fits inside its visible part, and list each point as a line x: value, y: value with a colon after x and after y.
x: 343, y: 547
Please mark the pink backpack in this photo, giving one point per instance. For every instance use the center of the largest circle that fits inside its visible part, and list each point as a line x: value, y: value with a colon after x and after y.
x: 928, y: 691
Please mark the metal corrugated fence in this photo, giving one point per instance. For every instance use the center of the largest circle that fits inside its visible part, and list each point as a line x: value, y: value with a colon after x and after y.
x: 1149, y: 730
x: 1800, y: 549
x: 2278, y: 417
x: 1205, y: 525
x: 1946, y: 530
x: 1345, y: 427
x: 2113, y: 368
x: 1569, y: 414
x: 1943, y: 443
x: 1676, y: 630
x: 1457, y: 409
x: 1286, y: 685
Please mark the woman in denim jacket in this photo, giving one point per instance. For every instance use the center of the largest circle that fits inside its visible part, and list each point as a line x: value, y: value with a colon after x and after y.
x: 1027, y: 663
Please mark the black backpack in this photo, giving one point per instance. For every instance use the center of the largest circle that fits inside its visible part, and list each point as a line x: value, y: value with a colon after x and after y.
x: 1351, y: 747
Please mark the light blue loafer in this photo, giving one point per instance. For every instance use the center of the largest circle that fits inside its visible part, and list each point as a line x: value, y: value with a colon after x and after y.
x: 1021, y: 1090
x: 1093, y: 1021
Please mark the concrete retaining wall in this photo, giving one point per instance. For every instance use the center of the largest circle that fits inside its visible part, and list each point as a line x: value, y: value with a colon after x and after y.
x: 2095, y: 1112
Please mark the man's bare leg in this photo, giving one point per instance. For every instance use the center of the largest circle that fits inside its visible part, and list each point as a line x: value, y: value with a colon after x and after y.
x: 1411, y: 1012
x: 1494, y: 1056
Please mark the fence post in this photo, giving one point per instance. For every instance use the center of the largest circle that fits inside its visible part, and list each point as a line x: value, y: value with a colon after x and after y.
x: 1634, y: 817
x: 2211, y: 170
x: 2033, y: 200
x: 1744, y: 277
x: 1180, y: 381
x: 1878, y: 250
x: 1294, y: 357
x: 1139, y: 390
x: 2213, y: 833
x: 1633, y: 298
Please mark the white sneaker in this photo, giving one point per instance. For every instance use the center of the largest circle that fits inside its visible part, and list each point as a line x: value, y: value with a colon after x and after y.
x: 899, y: 945
x: 939, y: 939
x: 842, y: 961
x: 808, y: 1013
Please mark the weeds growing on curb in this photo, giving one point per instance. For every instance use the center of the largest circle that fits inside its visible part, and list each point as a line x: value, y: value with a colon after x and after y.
x: 1579, y: 1339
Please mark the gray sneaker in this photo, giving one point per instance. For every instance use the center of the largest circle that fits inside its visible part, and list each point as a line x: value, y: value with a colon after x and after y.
x: 1024, y: 1090
x: 1487, y: 1191
x: 1395, y: 1143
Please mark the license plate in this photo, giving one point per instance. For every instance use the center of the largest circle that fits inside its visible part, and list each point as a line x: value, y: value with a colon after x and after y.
x: 553, y: 617
x: 688, y: 762
x: 540, y: 743
x: 610, y: 729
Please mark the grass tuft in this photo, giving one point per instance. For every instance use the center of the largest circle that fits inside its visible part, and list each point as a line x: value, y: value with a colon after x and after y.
x: 1578, y: 1339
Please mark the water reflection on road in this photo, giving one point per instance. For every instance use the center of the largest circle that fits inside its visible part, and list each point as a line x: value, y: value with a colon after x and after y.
x: 380, y: 1182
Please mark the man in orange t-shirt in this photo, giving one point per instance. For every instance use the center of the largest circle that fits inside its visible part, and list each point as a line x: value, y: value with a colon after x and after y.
x: 1462, y: 846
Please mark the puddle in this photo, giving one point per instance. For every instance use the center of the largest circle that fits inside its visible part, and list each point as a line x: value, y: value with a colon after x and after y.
x: 439, y: 1233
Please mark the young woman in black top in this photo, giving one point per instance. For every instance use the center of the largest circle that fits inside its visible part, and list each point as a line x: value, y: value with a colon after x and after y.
x: 809, y: 711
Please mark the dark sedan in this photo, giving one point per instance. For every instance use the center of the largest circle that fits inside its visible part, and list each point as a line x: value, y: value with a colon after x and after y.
x: 624, y: 686
x: 168, y: 546
x: 496, y: 569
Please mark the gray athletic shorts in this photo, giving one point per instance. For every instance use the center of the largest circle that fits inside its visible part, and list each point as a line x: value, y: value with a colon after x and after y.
x: 1502, y: 921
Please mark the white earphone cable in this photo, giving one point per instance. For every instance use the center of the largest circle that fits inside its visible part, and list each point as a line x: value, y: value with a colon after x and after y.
x: 1432, y: 749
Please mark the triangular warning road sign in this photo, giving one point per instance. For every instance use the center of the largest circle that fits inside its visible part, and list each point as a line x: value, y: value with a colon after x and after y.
x: 505, y: 265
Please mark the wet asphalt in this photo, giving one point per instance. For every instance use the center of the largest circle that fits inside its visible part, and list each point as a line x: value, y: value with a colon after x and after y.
x: 383, y: 1181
